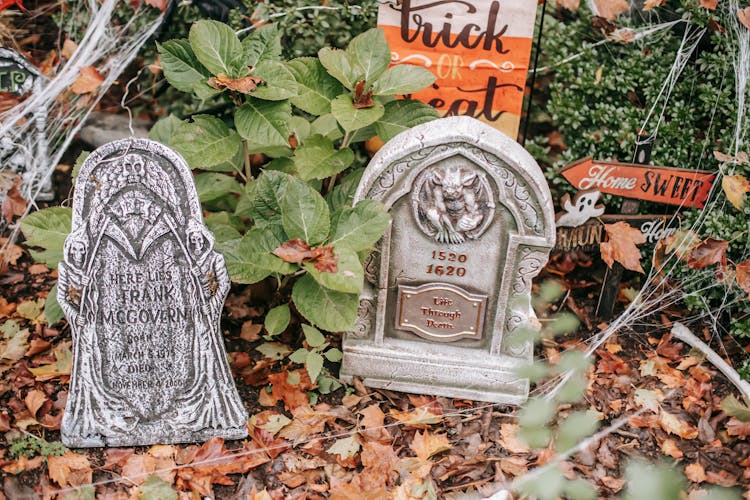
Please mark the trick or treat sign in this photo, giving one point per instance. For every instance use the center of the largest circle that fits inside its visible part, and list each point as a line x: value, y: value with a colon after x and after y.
x: 448, y: 288
x: 478, y: 51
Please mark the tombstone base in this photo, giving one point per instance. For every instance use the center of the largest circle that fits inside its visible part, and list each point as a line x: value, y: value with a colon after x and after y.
x: 431, y: 369
x: 143, y: 438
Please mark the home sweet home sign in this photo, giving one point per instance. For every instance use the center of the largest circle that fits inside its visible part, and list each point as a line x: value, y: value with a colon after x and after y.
x: 450, y: 282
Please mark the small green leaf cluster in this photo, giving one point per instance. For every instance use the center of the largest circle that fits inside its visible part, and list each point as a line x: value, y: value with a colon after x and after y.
x: 314, y: 357
x: 30, y: 446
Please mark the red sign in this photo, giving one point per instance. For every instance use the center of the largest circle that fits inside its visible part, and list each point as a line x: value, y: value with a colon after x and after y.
x: 673, y: 186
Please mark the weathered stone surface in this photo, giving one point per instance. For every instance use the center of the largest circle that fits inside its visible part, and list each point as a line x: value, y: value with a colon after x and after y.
x: 25, y: 153
x: 143, y: 291
x: 450, y: 282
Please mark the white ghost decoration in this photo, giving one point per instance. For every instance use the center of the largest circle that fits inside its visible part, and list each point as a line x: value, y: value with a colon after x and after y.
x: 582, y: 208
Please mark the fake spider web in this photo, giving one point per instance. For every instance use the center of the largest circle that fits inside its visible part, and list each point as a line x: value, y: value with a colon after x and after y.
x: 105, y: 43
x: 659, y: 291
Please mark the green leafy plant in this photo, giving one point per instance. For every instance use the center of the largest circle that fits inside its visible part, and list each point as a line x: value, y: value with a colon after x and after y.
x: 30, y: 446
x: 289, y: 138
x: 314, y: 357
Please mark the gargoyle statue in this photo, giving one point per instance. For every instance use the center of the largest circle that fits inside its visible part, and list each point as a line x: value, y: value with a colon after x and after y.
x: 451, y: 206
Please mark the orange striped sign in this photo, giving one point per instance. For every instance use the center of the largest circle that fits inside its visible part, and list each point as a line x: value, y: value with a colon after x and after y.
x: 478, y: 50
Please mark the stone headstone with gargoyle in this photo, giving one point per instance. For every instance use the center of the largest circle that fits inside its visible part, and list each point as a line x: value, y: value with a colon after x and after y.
x: 143, y: 289
x: 448, y: 288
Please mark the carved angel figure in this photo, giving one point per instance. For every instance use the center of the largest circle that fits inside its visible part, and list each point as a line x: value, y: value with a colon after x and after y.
x: 452, y: 203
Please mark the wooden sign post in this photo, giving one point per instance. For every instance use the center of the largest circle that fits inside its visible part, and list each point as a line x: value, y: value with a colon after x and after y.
x: 636, y: 181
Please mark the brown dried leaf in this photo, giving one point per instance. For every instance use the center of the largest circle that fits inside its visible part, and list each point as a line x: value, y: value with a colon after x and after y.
x: 695, y: 472
x: 510, y: 440
x: 742, y: 273
x: 650, y: 4
x: 70, y: 469
x: 34, y: 400
x: 159, y: 4
x: 419, y: 418
x: 610, y: 9
x: 669, y: 447
x: 89, y: 80
x: 14, y: 203
x: 244, y: 85
x: 621, y: 246
x: 324, y: 259
x: 373, y: 421
x: 295, y: 251
x: 735, y: 187
x: 425, y: 445
x: 673, y: 425
x: 709, y: 4
x: 744, y: 16
x: 250, y: 331
x: 571, y: 5
x: 68, y: 49
x: 708, y: 252
x: 736, y: 427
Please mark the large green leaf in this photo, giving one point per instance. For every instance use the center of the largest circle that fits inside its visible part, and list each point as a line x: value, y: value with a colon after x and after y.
x: 351, y: 118
x: 47, y: 229
x: 359, y: 228
x: 212, y: 186
x: 164, y: 129
x: 369, y: 54
x: 269, y: 188
x: 349, y: 276
x: 402, y: 115
x: 316, y: 158
x: 52, y: 310
x: 403, y: 79
x: 250, y: 260
x: 338, y: 65
x: 315, y: 87
x: 277, y: 319
x: 263, y: 44
x: 326, y: 125
x: 205, y: 142
x: 181, y: 67
x: 304, y: 212
x: 265, y: 126
x: 343, y: 194
x: 313, y: 364
x: 325, y: 308
x: 217, y: 47
x: 279, y: 81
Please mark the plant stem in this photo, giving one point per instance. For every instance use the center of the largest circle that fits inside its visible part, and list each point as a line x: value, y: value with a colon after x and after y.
x: 346, y: 140
x: 248, y: 166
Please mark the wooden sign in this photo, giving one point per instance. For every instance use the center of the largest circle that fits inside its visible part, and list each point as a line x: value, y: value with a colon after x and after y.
x: 478, y: 51
x: 588, y: 236
x: 673, y: 186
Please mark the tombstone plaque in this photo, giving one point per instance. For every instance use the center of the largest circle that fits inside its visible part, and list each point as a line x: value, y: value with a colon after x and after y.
x: 450, y: 282
x: 25, y: 152
x: 143, y: 290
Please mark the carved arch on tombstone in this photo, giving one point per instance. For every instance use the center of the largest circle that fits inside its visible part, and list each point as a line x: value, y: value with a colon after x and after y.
x: 495, y: 171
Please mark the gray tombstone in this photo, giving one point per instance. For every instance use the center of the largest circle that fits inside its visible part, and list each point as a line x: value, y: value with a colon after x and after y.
x: 143, y: 290
x: 25, y: 152
x: 450, y: 282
